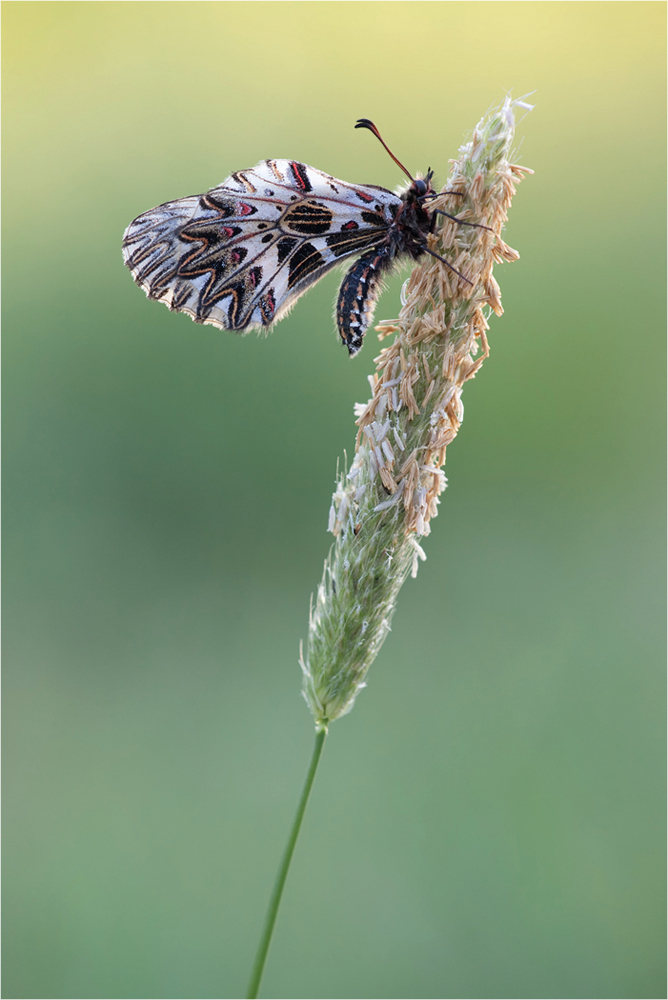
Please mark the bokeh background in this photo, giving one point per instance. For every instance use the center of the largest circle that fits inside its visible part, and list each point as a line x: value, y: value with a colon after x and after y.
x: 488, y: 822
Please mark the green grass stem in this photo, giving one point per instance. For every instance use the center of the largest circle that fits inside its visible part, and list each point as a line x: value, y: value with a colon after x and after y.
x: 275, y: 901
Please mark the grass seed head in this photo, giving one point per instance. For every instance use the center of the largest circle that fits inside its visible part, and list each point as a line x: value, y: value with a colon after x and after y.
x: 386, y: 501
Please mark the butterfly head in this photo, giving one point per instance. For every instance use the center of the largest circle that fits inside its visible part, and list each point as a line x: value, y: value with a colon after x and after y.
x: 421, y: 187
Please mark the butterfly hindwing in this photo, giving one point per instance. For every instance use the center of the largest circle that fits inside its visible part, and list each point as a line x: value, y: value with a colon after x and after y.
x: 240, y: 255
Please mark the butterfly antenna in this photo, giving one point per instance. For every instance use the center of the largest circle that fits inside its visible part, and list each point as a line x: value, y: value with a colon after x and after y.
x: 367, y: 123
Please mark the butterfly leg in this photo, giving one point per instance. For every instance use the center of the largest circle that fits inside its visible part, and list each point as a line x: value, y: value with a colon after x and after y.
x: 447, y: 264
x: 461, y: 222
x: 358, y: 295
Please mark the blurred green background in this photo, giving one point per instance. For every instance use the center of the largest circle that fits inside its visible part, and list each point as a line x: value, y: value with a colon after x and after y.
x: 488, y: 822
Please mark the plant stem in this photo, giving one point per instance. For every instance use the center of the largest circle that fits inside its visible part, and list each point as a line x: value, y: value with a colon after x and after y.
x: 275, y: 901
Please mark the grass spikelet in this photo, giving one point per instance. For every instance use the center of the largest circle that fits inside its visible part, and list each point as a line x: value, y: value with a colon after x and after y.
x: 384, y: 504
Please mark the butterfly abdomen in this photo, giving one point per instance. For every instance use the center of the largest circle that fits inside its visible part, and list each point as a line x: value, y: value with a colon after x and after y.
x: 358, y: 295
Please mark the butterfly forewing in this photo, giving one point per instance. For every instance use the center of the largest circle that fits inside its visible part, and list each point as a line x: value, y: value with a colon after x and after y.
x: 240, y: 255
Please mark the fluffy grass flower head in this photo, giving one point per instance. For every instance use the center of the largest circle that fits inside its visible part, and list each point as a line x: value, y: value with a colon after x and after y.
x: 383, y: 505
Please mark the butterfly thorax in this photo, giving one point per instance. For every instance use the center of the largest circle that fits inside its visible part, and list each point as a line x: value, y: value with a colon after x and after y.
x: 412, y: 222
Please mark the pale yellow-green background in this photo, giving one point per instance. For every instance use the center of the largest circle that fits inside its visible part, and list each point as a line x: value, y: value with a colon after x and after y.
x: 488, y: 821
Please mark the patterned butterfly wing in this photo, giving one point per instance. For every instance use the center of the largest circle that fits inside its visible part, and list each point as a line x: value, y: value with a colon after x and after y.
x: 239, y: 256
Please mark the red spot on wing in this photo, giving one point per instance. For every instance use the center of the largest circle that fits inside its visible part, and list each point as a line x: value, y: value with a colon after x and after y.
x: 350, y: 225
x: 244, y: 209
x: 363, y: 197
x: 300, y: 176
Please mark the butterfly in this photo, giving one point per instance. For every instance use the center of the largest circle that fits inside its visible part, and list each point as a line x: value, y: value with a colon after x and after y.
x: 239, y: 256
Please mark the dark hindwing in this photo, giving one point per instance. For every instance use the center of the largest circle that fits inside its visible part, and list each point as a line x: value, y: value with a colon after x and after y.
x: 239, y: 256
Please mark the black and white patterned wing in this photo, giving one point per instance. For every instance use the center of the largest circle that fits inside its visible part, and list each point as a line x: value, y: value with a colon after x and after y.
x: 240, y: 255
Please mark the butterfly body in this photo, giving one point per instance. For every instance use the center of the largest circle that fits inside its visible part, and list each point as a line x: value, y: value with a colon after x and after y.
x: 239, y: 256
